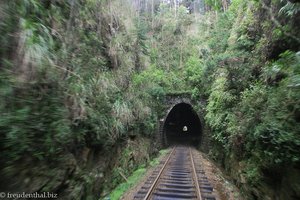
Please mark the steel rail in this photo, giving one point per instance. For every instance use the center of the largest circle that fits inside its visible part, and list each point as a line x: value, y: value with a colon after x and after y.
x: 195, y: 176
x: 158, y: 176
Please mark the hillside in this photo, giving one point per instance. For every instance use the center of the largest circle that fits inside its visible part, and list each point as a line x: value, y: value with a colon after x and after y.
x: 83, y: 85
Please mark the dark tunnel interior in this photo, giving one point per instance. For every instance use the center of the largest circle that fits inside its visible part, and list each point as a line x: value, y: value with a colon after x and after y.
x: 182, y: 126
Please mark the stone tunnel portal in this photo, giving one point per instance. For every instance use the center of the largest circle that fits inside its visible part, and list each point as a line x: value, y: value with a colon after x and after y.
x: 182, y: 126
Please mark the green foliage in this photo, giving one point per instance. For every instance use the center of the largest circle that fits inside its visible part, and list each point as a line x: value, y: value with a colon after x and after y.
x: 122, y: 188
x: 65, y: 88
x: 218, y: 108
x: 140, y: 34
x: 253, y: 107
x: 290, y: 9
x: 215, y: 4
x: 30, y: 118
x: 252, y: 173
x: 89, y: 74
x: 267, y: 116
x: 247, y: 107
x: 134, y: 178
x: 193, y: 71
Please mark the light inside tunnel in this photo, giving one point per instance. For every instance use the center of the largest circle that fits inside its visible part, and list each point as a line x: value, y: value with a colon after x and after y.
x: 182, y: 126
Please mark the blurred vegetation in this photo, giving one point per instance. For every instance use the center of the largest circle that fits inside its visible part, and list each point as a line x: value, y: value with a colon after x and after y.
x: 67, y: 71
x: 93, y: 74
x: 59, y: 82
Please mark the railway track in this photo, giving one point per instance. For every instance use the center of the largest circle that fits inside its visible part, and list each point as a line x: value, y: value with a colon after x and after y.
x: 179, y: 176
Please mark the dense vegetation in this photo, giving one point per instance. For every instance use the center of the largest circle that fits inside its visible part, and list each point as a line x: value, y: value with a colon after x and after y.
x: 80, y: 76
x: 251, y: 79
x: 67, y: 88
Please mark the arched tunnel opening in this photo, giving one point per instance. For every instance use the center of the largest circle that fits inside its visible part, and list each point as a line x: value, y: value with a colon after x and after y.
x: 182, y: 126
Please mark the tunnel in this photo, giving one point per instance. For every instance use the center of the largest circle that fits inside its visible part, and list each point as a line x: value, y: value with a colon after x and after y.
x: 182, y: 125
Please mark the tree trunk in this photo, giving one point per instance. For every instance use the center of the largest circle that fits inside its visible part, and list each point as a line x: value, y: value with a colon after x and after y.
x: 225, y: 5
x: 152, y: 14
x: 175, y: 8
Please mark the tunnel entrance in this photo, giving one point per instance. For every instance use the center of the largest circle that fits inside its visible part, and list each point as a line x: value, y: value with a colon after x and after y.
x: 182, y: 126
